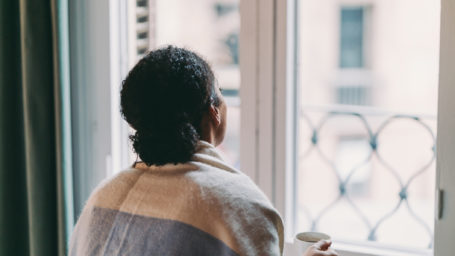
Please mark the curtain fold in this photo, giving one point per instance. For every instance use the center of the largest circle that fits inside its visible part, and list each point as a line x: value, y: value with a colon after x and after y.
x: 33, y: 216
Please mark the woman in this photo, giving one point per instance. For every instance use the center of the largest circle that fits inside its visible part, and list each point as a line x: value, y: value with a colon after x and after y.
x: 181, y: 199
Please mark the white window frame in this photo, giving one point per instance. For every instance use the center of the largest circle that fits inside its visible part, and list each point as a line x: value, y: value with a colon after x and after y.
x: 268, y: 121
x: 445, y: 163
x: 267, y: 118
x: 90, y: 61
x: 98, y: 60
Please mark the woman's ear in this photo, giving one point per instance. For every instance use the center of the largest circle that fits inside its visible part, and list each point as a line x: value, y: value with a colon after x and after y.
x: 215, y: 115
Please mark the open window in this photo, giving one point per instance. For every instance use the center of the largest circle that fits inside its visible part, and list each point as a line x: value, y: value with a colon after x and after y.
x: 332, y: 106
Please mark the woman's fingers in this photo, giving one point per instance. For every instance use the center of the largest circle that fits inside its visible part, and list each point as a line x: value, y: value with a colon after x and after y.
x: 321, y: 248
x: 329, y: 252
x: 323, y: 245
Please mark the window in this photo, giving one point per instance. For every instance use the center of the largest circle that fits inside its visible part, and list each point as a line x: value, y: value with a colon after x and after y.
x: 353, y: 86
x: 214, y: 33
x: 368, y: 105
x: 367, y: 122
x: 351, y: 37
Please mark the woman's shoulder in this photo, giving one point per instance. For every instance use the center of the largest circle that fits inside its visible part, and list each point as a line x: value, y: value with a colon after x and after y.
x: 110, y: 190
x: 226, y: 182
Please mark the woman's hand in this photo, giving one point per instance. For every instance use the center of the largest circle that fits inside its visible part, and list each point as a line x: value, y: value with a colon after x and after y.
x: 321, y: 248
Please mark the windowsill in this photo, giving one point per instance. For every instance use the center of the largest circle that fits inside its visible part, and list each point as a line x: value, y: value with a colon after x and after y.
x: 346, y: 248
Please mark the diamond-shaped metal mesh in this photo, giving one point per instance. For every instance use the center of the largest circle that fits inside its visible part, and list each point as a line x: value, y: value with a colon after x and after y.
x: 372, y: 133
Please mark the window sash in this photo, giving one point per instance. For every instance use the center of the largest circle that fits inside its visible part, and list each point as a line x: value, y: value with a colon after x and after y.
x: 267, y: 60
x: 445, y: 175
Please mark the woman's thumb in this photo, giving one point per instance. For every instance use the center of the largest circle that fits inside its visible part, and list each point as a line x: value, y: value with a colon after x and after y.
x: 323, y: 245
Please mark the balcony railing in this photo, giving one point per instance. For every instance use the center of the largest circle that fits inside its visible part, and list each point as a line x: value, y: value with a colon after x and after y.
x: 379, y: 131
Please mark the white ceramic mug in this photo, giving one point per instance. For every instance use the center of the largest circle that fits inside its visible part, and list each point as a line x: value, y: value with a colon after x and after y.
x: 306, y: 239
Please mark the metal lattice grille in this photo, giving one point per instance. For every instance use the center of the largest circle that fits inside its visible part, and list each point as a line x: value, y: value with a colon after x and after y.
x: 373, y: 131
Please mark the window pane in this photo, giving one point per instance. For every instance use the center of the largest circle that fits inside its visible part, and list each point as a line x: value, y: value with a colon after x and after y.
x: 368, y: 77
x: 351, y: 38
x: 210, y: 28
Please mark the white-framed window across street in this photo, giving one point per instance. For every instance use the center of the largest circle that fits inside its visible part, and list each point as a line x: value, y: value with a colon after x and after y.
x: 313, y: 117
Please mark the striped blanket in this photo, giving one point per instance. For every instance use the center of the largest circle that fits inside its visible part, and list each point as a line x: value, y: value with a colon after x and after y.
x: 203, y: 207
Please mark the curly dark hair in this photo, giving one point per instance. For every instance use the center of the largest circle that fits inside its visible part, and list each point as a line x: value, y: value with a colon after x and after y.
x: 164, y: 98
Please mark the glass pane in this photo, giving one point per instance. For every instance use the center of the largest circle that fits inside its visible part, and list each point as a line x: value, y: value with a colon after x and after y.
x: 210, y: 28
x: 351, y: 37
x: 368, y: 77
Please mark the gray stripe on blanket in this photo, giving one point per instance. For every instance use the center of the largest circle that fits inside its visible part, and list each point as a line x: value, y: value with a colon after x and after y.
x: 121, y: 233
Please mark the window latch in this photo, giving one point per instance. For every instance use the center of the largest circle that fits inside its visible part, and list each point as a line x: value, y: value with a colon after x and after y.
x: 440, y: 203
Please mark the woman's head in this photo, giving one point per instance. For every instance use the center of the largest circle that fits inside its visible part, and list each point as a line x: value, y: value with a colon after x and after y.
x: 171, y: 100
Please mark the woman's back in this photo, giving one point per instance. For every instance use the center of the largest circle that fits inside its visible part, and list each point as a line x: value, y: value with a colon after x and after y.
x: 203, y: 207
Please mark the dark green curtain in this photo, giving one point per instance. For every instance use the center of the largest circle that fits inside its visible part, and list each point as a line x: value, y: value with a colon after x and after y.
x: 32, y: 200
